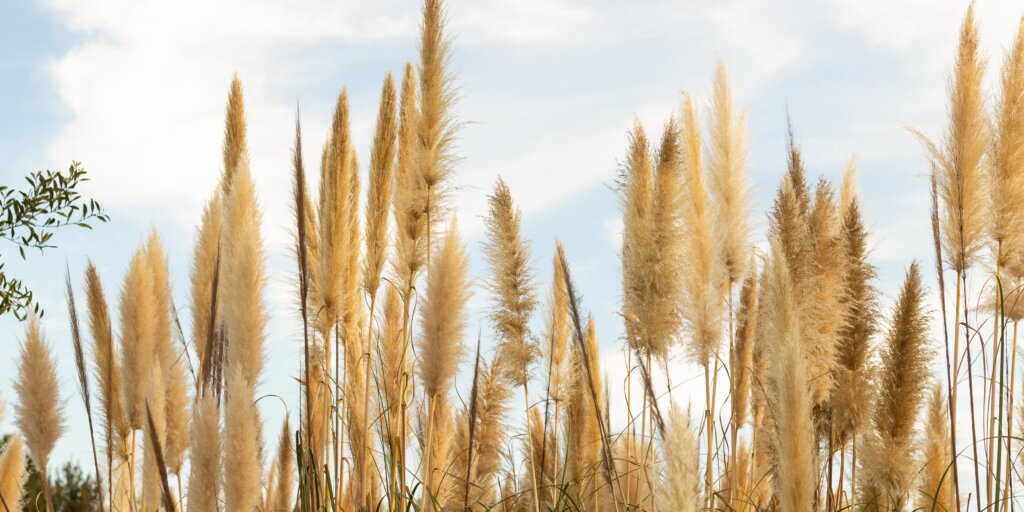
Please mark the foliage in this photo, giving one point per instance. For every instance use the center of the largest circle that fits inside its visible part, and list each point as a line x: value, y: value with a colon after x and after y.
x: 29, y: 218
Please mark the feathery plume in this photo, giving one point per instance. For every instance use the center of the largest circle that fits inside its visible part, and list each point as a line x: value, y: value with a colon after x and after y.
x: 511, y: 285
x: 583, y: 433
x: 204, y: 480
x: 820, y: 305
x: 440, y: 350
x: 660, y: 319
x: 936, y: 477
x: 848, y: 187
x: 652, y: 242
x: 851, y: 401
x: 889, y: 447
x: 40, y: 412
x: 138, y: 336
x: 789, y: 396
x: 636, y: 191
x: 174, y: 419
x: 1007, y: 157
x: 444, y: 316
x: 743, y: 351
x: 959, y: 162
x: 680, y: 489
x: 394, y: 365
x: 235, y: 151
x: 382, y: 164
x: 243, y: 278
x: 558, y: 332
x: 333, y: 217
x: 242, y: 449
x: 103, y: 353
x: 727, y: 168
x: 441, y: 481
x: 283, y: 501
x: 204, y: 267
x: 436, y: 127
x: 12, y: 474
x: 788, y: 221
x: 490, y: 435
x: 410, y: 195
x: 154, y: 436
x: 704, y: 273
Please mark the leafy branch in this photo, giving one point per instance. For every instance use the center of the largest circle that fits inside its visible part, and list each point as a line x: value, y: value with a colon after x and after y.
x: 29, y: 218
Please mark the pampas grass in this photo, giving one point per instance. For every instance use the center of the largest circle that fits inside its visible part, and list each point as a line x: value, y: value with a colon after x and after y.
x: 235, y: 145
x: 960, y: 160
x: 138, y: 336
x: 511, y: 286
x: 39, y: 413
x: 205, y: 259
x: 382, y: 163
x: 936, y: 478
x: 789, y: 396
x: 204, y: 480
x: 436, y: 127
x: 727, y: 170
x: 444, y: 316
x: 242, y: 447
x: 889, y: 447
x: 680, y: 491
x: 809, y: 378
x: 1007, y: 162
x: 285, y: 467
x: 853, y: 376
x: 440, y: 345
x: 12, y: 474
x: 243, y: 279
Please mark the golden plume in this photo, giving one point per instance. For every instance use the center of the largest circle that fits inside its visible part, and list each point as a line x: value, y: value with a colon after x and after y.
x: 704, y: 272
x: 959, y: 162
x: 727, y: 169
x: 789, y: 396
x: 511, y: 285
x: 235, y: 150
x: 204, y: 480
x: 243, y: 278
x: 888, y: 458
x: 382, y: 164
x: 1007, y: 157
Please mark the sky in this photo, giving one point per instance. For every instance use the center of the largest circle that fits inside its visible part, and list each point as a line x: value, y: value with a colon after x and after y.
x: 548, y: 89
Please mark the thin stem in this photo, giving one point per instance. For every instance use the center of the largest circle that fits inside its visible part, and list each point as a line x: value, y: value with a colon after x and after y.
x: 970, y: 393
x: 1009, y: 417
x: 529, y: 440
x: 992, y: 441
x: 339, y: 419
x: 131, y: 475
x: 954, y: 382
x: 428, y: 455
x: 733, y: 361
x: 709, y: 425
x: 853, y: 464
x: 364, y: 460
x: 842, y: 477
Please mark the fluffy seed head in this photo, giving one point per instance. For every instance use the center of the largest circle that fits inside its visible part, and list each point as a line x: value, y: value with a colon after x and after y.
x: 444, y: 316
x: 382, y: 164
x: 244, y: 315
x: 727, y: 168
x: 39, y: 413
x: 511, y: 285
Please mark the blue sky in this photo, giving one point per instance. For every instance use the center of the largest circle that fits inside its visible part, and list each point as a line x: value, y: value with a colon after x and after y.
x: 136, y: 89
